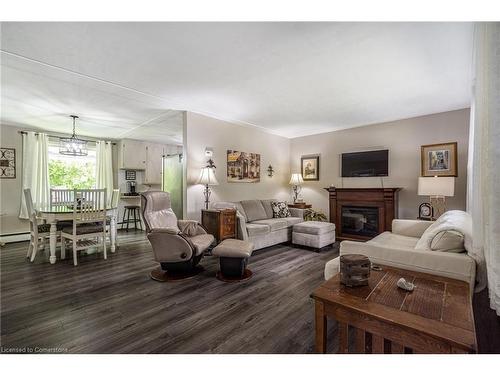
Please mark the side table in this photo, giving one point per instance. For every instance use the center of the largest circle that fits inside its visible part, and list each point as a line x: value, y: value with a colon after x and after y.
x: 220, y: 223
x: 436, y: 317
x: 299, y: 205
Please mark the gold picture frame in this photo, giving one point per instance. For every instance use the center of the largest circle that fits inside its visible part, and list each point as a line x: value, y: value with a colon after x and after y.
x: 439, y: 160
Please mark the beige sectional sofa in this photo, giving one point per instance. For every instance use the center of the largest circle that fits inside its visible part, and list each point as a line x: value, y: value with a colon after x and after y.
x: 257, y: 225
x: 400, y: 248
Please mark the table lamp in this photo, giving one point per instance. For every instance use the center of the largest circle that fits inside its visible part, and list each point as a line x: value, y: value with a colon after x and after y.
x: 207, y: 178
x: 437, y: 188
x: 296, y: 180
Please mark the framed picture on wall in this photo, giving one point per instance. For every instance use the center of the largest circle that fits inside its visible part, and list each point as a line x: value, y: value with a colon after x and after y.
x: 7, y: 162
x: 439, y: 160
x: 130, y: 175
x: 243, y: 166
x: 310, y: 167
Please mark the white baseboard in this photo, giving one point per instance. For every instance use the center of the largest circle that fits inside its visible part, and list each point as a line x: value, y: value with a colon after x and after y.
x: 15, y: 237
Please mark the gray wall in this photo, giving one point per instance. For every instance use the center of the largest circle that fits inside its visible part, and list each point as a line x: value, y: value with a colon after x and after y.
x: 10, y: 189
x: 201, y: 132
x: 403, y: 138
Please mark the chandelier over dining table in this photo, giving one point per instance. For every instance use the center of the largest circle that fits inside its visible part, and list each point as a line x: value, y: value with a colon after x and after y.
x: 73, y: 146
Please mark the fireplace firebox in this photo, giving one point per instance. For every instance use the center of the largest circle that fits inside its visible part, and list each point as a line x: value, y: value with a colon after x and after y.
x: 360, y: 221
x: 362, y: 213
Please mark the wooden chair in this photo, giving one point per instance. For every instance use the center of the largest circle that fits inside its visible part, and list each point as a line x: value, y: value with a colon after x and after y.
x: 62, y: 198
x: 89, y: 222
x: 115, y: 196
x: 39, y: 233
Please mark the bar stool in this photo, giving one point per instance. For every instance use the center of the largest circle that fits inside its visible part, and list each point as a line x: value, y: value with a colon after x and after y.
x: 136, y: 217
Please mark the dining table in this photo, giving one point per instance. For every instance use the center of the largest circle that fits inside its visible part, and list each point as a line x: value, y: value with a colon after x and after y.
x: 53, y: 214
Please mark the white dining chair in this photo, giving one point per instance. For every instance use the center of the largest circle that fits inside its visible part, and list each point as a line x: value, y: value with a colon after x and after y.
x: 89, y: 222
x: 115, y: 197
x: 62, y: 197
x: 39, y: 233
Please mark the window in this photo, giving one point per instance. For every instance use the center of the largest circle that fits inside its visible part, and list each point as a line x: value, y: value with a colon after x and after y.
x: 71, y: 172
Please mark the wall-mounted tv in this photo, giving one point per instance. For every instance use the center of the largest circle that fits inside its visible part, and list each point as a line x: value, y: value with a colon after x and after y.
x: 365, y: 164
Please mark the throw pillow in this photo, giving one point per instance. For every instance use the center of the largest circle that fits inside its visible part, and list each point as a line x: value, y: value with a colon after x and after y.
x: 456, y: 221
x: 280, y: 210
x: 449, y: 241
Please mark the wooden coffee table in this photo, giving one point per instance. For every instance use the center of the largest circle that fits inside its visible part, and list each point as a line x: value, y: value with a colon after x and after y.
x: 436, y: 317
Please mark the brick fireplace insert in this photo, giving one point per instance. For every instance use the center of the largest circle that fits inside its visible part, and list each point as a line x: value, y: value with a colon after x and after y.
x: 362, y: 213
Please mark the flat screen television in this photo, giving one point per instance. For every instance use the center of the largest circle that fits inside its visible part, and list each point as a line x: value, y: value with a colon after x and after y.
x: 365, y: 164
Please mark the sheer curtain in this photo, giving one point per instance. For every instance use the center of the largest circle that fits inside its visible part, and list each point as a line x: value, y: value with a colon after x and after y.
x: 104, y: 168
x: 483, y: 198
x: 35, y: 171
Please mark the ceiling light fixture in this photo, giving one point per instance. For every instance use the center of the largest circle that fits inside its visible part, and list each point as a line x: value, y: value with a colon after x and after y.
x: 73, y: 146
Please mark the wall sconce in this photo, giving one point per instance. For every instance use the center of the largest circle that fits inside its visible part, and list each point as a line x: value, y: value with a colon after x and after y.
x: 270, y: 170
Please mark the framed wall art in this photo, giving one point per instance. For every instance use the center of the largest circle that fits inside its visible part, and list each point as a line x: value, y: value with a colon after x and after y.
x: 130, y: 175
x: 7, y: 162
x: 439, y: 160
x: 243, y: 166
x: 310, y: 167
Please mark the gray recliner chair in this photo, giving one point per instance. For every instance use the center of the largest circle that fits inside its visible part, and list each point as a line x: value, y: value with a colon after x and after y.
x: 178, y: 245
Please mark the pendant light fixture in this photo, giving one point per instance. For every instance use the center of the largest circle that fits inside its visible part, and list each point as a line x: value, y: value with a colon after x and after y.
x: 73, y: 146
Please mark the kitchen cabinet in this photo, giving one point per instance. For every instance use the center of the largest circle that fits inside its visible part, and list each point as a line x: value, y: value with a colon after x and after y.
x: 142, y: 156
x: 131, y: 154
x: 154, y: 159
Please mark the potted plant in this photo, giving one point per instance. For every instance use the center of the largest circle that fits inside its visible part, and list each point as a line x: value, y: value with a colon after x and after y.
x: 312, y: 215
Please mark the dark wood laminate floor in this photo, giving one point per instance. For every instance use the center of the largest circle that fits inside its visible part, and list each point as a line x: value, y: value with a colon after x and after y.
x: 113, y: 306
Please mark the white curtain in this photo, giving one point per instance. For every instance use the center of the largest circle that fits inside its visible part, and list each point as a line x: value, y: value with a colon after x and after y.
x: 35, y: 171
x: 104, y: 168
x: 483, y: 200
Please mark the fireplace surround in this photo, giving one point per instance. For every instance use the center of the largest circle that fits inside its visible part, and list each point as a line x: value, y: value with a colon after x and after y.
x: 362, y: 213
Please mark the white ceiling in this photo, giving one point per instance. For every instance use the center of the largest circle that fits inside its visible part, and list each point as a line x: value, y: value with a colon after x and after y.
x: 132, y: 79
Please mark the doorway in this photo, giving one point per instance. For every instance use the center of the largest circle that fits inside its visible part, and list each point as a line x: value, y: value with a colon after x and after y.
x: 172, y: 181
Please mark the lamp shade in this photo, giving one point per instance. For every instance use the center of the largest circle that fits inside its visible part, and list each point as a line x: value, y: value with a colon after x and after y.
x: 296, y: 179
x: 207, y: 176
x: 436, y: 186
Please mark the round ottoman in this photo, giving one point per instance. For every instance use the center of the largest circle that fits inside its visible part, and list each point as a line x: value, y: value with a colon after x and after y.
x: 233, y: 257
x: 316, y: 234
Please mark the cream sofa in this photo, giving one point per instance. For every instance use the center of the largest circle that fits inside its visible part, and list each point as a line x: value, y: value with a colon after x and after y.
x: 257, y: 225
x: 401, y: 248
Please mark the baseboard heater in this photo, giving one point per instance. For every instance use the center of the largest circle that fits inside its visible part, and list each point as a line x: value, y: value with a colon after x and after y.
x: 14, y: 237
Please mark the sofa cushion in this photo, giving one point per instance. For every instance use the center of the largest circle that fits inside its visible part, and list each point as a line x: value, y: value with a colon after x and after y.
x: 254, y: 230
x: 448, y: 240
x: 254, y: 210
x: 455, y: 266
x: 314, y: 227
x: 280, y: 210
x: 292, y: 220
x: 274, y: 224
x: 267, y: 204
x: 241, y: 210
x: 394, y: 241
